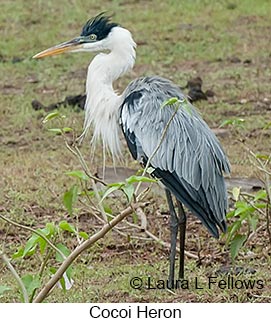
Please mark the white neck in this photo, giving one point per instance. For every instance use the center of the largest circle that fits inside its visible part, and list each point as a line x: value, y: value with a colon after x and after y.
x: 102, y: 103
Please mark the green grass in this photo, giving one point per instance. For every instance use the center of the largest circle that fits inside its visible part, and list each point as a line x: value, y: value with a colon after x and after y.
x: 178, y: 40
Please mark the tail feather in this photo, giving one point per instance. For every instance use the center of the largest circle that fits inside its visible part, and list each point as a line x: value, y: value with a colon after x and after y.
x: 204, y: 213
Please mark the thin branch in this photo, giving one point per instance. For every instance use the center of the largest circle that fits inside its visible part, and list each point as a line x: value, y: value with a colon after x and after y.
x: 82, y: 162
x: 16, y: 276
x: 93, y: 179
x: 167, y: 245
x: 264, y: 170
x: 41, y: 270
x: 36, y: 232
x: 245, y: 194
x: 79, y: 249
x: 160, y: 241
x: 118, y: 230
x: 260, y: 296
x: 251, y: 204
x: 156, y: 149
x: 143, y: 219
x: 99, y: 204
x: 252, y: 234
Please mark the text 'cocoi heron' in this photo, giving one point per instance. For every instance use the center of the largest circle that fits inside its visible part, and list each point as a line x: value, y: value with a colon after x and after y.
x: 190, y: 162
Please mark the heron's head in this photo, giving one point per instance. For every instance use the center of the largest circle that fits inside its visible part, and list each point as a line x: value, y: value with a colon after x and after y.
x: 97, y: 35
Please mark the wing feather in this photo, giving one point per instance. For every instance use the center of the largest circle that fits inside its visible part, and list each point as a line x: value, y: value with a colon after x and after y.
x: 190, y: 160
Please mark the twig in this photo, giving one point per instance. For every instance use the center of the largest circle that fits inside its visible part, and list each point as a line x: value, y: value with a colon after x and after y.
x: 160, y: 241
x: 118, y: 230
x: 93, y: 179
x: 156, y: 149
x: 264, y: 170
x: 143, y: 218
x: 82, y: 162
x: 251, y: 204
x: 254, y: 232
x: 36, y: 232
x: 16, y: 276
x: 79, y: 249
x: 260, y: 296
x: 250, y: 196
x: 262, y: 166
x: 42, y: 268
x: 143, y: 194
x: 131, y: 236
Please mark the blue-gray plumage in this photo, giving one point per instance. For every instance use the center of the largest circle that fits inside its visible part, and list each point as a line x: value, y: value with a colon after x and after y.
x: 189, y: 162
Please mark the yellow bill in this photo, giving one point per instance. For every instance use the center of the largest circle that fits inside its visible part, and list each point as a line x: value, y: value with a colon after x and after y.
x: 68, y: 46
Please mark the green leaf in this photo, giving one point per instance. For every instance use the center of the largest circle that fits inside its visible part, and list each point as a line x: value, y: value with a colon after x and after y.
x: 57, y: 131
x: 88, y: 193
x: 260, y: 195
x: 110, y: 190
x: 170, y: 101
x: 241, y: 204
x: 67, y: 129
x: 260, y: 205
x: 136, y: 179
x: 51, y: 116
x: 236, y: 193
x: 83, y: 235
x: 44, y: 231
x: 62, y: 283
x: 118, y: 185
x: 4, y: 289
x: 42, y: 245
x: 235, y: 122
x: 232, y: 230
x: 236, y: 243
x: 31, y: 283
x: 107, y: 208
x: 64, y: 225
x: 70, y: 198
x: 30, y: 244
x: 225, y: 123
x: 78, y: 174
x: 51, y: 228
x: 129, y: 189
x: 253, y: 221
x: 18, y: 254
x: 230, y: 214
x: 65, y: 250
x: 243, y: 208
x: 261, y: 156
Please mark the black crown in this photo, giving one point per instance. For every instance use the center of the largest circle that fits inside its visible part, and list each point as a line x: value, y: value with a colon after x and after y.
x: 99, y: 25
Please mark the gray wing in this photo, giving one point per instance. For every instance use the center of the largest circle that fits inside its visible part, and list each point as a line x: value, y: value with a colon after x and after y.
x: 190, y: 161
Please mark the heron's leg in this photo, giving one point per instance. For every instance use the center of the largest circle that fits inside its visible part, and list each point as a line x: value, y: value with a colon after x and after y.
x: 174, y: 232
x: 182, y: 226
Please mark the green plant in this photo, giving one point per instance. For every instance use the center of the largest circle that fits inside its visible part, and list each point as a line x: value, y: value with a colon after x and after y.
x: 48, y: 243
x: 244, y: 217
x: 249, y: 208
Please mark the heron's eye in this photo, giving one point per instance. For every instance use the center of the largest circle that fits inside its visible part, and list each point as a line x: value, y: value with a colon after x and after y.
x: 92, y: 37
